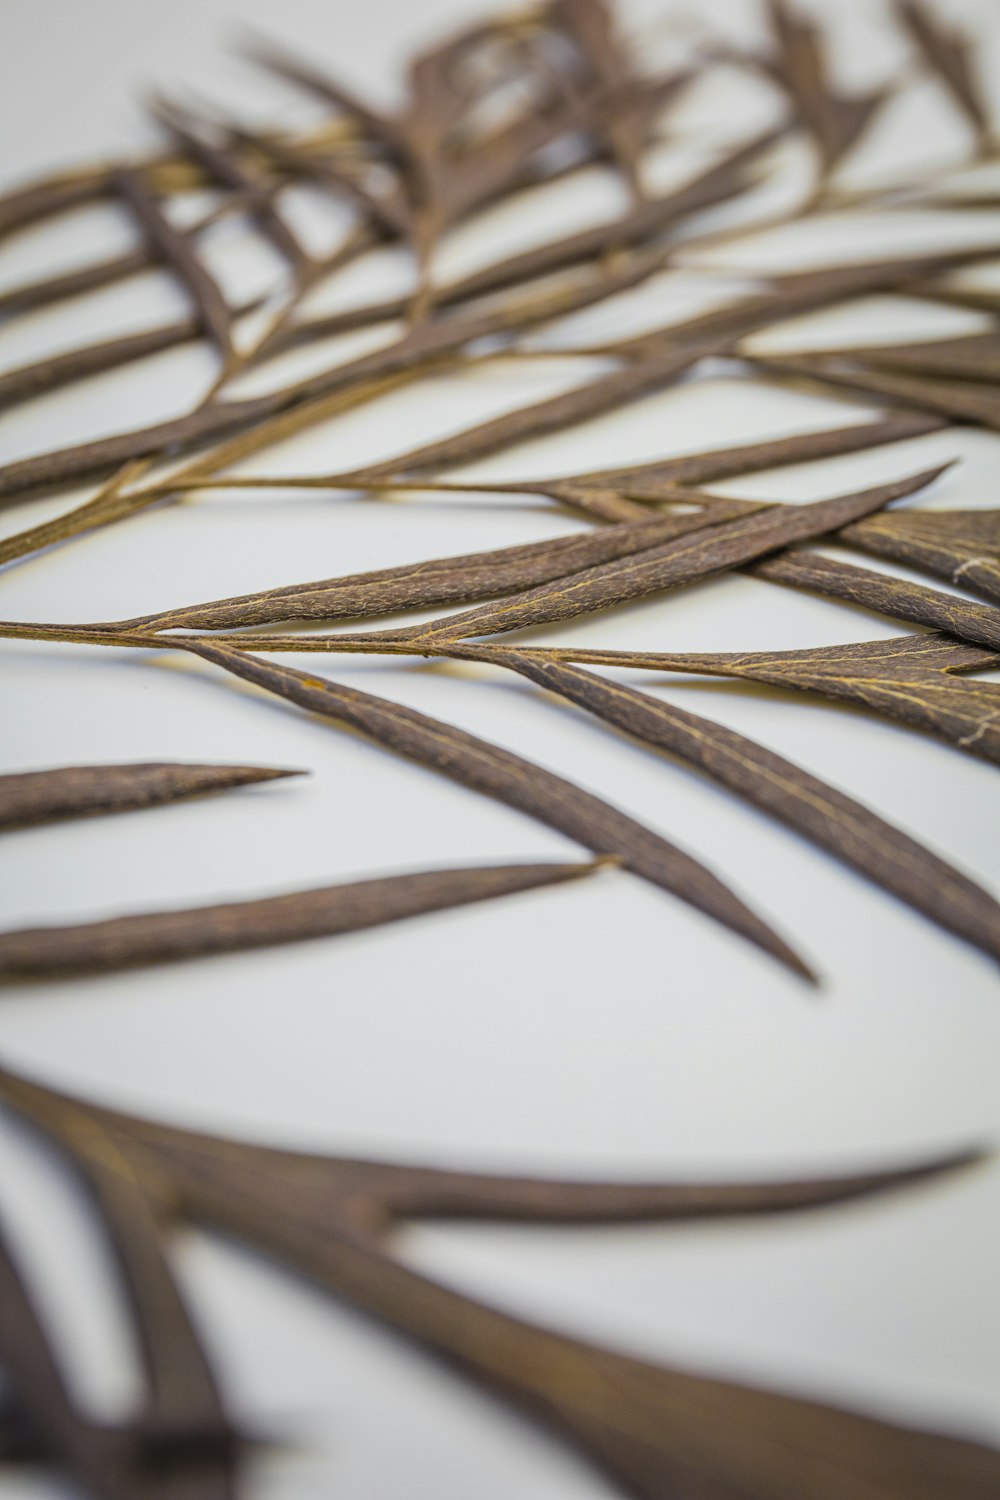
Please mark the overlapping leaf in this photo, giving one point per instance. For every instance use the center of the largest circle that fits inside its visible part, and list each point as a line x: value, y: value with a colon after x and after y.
x: 655, y: 1428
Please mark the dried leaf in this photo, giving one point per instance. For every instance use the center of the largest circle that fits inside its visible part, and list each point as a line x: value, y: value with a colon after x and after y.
x: 960, y: 545
x: 476, y: 575
x: 702, y: 553
x: 908, y: 678
x: 418, y: 350
x: 176, y: 249
x: 973, y: 356
x: 181, y: 1443
x: 658, y: 1430
x: 664, y: 479
x: 77, y: 791
x: 167, y: 936
x: 28, y: 381
x: 486, y: 768
x: 223, y: 164
x: 896, y: 597
x: 661, y: 480
x: 44, y: 199
x: 962, y: 400
x: 836, y: 121
x: 950, y: 59
x: 825, y: 816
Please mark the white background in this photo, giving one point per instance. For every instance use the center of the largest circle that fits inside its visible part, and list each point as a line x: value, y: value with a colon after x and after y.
x: 599, y: 1028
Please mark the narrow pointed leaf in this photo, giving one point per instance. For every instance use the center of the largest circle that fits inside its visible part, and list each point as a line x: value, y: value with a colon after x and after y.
x: 660, y: 1431
x: 486, y: 768
x: 700, y: 554
x: 176, y: 249
x: 826, y: 816
x: 167, y: 936
x: 443, y: 580
x: 950, y: 58
x: 836, y: 121
x: 979, y: 624
x: 962, y: 400
x: 606, y: 393
x: 80, y: 791
x: 960, y: 545
x: 659, y: 481
x: 908, y: 678
x: 25, y: 382
x: 973, y: 356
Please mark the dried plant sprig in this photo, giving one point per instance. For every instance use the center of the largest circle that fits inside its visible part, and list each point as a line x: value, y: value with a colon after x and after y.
x: 571, y: 93
x: 414, y: 352
x: 662, y: 480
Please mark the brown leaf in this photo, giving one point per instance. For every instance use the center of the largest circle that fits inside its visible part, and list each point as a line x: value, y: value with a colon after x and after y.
x: 476, y: 575
x: 223, y: 165
x: 660, y: 1431
x: 950, y: 58
x: 896, y: 597
x: 825, y: 816
x: 486, y: 768
x: 25, y: 382
x: 960, y: 545
x: 661, y: 480
x: 962, y: 400
x: 973, y: 356
x: 908, y: 678
x: 78, y: 791
x: 687, y: 559
x: 836, y: 121
x: 177, y: 250
x: 167, y: 936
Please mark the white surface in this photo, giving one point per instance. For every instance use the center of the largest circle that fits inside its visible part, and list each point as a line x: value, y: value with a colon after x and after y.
x: 599, y: 1028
